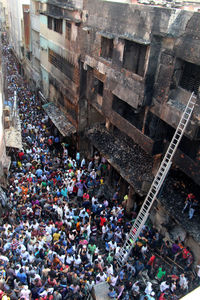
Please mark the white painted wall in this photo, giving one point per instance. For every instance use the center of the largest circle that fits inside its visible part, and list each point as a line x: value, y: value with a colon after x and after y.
x: 15, y: 16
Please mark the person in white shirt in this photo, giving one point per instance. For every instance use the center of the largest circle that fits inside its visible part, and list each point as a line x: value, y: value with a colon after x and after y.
x: 109, y: 269
x: 135, y: 288
x: 25, y: 293
x: 77, y: 261
x: 148, y: 288
x: 113, y: 279
x: 173, y: 287
x: 183, y: 282
x: 69, y: 259
x: 112, y: 245
x: 102, y: 276
x: 163, y: 286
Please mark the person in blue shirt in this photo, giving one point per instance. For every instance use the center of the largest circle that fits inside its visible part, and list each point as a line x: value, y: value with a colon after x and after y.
x: 64, y: 192
x: 78, y: 157
x: 112, y: 293
x: 22, y: 277
x: 39, y: 172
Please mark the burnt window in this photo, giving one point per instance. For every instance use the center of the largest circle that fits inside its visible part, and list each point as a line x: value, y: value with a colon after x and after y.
x: 58, y: 25
x: 134, y: 57
x: 98, y: 86
x: 126, y: 111
x: 50, y: 22
x: 190, y: 79
x: 106, y: 48
x: 68, y: 31
x: 61, y: 64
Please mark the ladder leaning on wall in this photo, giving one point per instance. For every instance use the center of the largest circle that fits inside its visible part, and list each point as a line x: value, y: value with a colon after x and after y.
x: 143, y: 214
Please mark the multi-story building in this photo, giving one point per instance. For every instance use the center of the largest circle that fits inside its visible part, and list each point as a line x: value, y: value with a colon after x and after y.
x: 120, y: 76
x: 19, y: 32
x: 141, y: 64
x: 60, y: 55
x: 4, y: 14
x: 4, y: 159
x: 35, y: 43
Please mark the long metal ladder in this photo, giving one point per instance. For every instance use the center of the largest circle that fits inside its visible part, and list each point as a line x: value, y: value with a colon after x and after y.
x: 143, y: 214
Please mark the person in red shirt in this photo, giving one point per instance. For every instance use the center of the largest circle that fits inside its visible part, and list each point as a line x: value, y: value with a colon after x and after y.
x: 162, y: 296
x: 102, y: 221
x: 21, y: 154
x: 86, y: 196
x: 151, y: 262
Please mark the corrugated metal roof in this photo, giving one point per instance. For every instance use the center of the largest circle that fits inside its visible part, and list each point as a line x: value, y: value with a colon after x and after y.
x: 59, y: 119
x: 13, y: 138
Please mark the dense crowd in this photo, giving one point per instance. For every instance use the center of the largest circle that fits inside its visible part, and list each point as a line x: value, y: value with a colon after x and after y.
x: 58, y: 238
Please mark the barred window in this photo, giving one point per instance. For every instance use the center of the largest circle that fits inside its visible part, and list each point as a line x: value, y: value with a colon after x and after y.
x: 50, y: 22
x: 58, y: 25
x: 61, y: 64
x: 55, y: 24
x: 190, y: 78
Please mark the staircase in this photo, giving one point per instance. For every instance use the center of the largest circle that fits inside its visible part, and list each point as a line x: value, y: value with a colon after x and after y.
x: 143, y: 214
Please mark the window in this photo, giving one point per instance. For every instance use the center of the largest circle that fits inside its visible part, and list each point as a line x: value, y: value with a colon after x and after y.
x: 68, y: 31
x: 127, y: 112
x: 106, y: 48
x: 134, y: 57
x: 50, y: 22
x: 98, y: 87
x: 61, y: 64
x: 190, y: 78
x: 58, y: 25
x: 55, y: 24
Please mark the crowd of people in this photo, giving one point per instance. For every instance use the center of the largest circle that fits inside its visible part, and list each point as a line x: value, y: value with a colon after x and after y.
x: 58, y: 238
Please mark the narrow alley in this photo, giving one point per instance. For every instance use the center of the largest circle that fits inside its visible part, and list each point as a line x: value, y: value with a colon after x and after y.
x: 63, y: 225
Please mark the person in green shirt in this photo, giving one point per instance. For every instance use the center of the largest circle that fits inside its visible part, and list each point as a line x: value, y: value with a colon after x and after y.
x: 92, y: 247
x: 160, y: 273
x: 109, y: 258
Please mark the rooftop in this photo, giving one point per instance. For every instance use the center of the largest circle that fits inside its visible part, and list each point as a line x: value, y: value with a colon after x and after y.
x: 133, y: 164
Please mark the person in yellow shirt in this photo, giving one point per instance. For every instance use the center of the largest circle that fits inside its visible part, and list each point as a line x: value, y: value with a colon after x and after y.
x: 56, y: 236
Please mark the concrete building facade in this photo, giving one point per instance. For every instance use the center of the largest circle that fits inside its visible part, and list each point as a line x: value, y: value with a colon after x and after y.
x: 60, y: 54
x: 35, y: 43
x: 4, y: 14
x: 19, y: 32
x: 141, y: 64
x: 122, y: 75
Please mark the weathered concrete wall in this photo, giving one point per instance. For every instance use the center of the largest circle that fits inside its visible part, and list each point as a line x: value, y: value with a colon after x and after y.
x: 171, y: 37
x: 61, y: 89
